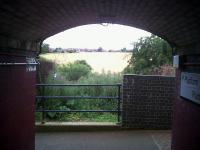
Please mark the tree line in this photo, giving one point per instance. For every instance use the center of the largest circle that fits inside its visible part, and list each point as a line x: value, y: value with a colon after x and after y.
x: 150, y: 55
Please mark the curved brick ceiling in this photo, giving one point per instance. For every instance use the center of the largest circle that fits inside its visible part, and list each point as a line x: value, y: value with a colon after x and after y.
x: 34, y: 20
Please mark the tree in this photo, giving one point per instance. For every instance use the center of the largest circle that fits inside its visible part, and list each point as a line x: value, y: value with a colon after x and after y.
x: 124, y: 49
x: 149, y: 53
x: 167, y: 70
x: 58, y: 49
x: 45, y: 48
x: 100, y: 49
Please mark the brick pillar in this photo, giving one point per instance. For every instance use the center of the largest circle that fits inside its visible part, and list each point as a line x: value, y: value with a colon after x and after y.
x: 17, y: 95
x: 186, y: 118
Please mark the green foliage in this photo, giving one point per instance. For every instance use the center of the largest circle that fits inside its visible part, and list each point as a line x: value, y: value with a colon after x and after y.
x: 45, y: 48
x: 74, y: 71
x: 82, y: 104
x: 149, y: 53
x: 90, y: 117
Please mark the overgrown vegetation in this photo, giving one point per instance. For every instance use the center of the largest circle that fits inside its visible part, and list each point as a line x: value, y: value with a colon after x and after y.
x: 150, y: 54
x: 44, y: 48
x: 74, y: 73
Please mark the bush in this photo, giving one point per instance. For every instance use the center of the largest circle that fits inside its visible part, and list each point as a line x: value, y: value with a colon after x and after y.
x: 79, y: 72
x: 82, y: 104
x: 74, y: 71
x: 45, y: 48
x: 166, y: 70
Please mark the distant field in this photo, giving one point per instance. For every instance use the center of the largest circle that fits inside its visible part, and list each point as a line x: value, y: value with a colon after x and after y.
x: 99, y: 61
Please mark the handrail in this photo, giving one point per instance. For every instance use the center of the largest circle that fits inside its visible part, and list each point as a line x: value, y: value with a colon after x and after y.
x: 47, y: 97
x: 55, y: 85
x: 77, y: 110
x: 76, y: 97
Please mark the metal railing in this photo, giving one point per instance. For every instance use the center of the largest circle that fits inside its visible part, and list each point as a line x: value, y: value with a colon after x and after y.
x: 43, y: 98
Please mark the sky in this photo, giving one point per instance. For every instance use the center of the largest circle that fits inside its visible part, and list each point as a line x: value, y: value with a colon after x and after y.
x: 111, y: 37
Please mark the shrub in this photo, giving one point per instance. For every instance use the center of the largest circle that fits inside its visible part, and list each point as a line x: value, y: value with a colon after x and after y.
x: 82, y: 104
x: 74, y: 71
x: 79, y: 72
x: 166, y: 70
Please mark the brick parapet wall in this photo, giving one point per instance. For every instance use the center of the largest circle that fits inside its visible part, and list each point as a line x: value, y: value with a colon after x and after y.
x: 147, y: 101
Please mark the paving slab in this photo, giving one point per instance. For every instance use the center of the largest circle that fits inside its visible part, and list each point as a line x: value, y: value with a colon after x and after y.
x: 104, y: 140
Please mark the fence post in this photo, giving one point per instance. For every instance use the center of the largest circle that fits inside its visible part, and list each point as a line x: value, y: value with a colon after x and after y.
x: 43, y: 105
x: 119, y: 100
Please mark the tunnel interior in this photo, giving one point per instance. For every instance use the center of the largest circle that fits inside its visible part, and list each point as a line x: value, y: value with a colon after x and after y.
x: 25, y: 24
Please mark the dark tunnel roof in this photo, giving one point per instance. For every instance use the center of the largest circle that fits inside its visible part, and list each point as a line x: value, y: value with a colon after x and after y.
x: 34, y: 20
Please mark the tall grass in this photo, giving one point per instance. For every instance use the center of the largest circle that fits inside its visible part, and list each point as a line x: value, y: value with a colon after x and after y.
x: 81, y: 104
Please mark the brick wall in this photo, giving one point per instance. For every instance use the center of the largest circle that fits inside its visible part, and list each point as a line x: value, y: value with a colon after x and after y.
x: 147, y: 101
x: 17, y: 98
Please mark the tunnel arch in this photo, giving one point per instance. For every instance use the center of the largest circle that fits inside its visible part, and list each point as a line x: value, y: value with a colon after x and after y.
x: 24, y: 24
x: 120, y: 23
x: 94, y: 29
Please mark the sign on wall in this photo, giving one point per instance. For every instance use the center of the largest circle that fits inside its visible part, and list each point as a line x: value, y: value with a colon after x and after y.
x: 190, y: 86
x: 31, y: 64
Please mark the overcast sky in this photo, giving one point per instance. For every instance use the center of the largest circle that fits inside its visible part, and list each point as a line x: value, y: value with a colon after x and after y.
x: 94, y: 36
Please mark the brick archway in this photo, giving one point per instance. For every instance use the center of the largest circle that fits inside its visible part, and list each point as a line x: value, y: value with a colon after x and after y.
x: 25, y: 24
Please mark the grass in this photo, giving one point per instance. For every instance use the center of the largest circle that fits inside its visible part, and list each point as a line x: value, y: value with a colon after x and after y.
x: 81, y: 117
x: 110, y: 75
x: 82, y: 104
x: 99, y: 61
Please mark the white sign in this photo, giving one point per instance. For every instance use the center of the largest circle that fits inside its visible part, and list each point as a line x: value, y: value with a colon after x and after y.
x: 31, y: 64
x: 176, y: 61
x: 190, y: 86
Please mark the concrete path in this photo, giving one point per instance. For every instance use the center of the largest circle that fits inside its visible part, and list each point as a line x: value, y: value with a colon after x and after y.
x: 110, y: 140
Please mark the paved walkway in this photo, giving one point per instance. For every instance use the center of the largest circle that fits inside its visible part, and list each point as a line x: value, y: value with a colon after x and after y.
x: 110, y: 140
